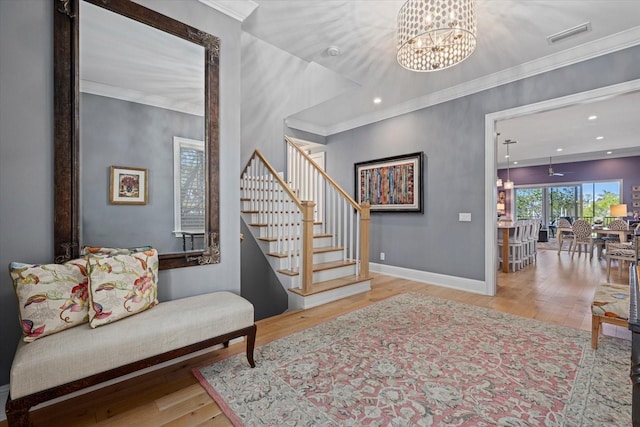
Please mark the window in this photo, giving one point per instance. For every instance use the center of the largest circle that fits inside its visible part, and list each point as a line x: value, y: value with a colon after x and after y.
x: 189, y: 185
x: 587, y: 200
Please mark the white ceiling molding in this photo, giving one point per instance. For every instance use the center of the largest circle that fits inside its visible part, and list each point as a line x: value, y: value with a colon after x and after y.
x: 306, y: 126
x: 603, y: 46
x: 304, y: 144
x: 237, y: 9
x: 132, y: 95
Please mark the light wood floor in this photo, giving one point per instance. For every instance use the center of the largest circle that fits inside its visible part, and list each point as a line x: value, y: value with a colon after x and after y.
x: 557, y: 290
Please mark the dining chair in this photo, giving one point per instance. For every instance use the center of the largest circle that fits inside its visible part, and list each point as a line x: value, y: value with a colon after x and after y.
x: 616, y: 224
x: 621, y: 252
x: 582, y: 236
x: 566, y: 235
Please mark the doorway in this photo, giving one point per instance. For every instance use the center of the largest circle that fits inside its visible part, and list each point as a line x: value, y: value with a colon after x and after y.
x: 491, y: 193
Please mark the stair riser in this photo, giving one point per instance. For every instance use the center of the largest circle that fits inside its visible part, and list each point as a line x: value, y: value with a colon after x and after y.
x: 283, y: 263
x: 278, y: 218
x: 299, y: 302
x: 318, y: 242
x: 333, y: 273
x: 318, y: 276
x: 283, y: 231
x: 278, y: 206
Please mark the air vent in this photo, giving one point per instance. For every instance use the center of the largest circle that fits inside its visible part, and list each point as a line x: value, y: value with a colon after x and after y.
x: 565, y: 34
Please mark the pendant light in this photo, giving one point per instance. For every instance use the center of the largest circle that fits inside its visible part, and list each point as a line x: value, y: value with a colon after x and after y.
x: 508, y: 184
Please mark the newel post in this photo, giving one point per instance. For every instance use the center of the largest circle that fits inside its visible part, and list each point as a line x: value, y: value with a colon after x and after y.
x: 307, y: 245
x: 364, y: 239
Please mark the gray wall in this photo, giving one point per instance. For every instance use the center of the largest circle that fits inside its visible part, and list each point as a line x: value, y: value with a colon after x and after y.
x: 276, y: 84
x: 452, y: 137
x: 260, y: 285
x: 121, y: 133
x: 26, y: 153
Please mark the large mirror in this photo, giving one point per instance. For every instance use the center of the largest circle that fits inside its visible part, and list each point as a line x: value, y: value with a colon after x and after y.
x: 136, y: 132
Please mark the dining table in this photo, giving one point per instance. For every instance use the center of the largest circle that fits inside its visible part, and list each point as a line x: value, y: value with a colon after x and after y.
x: 622, y: 234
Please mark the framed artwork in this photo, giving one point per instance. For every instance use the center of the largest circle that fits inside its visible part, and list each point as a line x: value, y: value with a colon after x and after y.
x: 635, y: 188
x: 636, y: 204
x: 128, y: 186
x: 391, y: 184
x: 635, y: 196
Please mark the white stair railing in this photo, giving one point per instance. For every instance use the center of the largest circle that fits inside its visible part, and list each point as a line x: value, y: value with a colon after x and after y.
x: 340, y: 215
x: 281, y: 214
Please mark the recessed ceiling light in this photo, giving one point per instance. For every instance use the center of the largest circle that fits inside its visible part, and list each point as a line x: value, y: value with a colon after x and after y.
x: 599, y: 137
x: 333, y: 51
x: 558, y: 149
x: 506, y: 156
x: 377, y: 100
x: 609, y: 152
x: 592, y: 117
x: 515, y: 163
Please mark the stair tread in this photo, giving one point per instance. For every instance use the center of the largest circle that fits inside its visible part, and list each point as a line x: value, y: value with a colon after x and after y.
x: 319, y: 250
x: 320, y: 267
x: 329, y: 285
x: 275, y: 239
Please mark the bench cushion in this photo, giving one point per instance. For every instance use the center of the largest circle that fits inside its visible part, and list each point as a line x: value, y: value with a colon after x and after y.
x: 611, y: 300
x: 82, y: 351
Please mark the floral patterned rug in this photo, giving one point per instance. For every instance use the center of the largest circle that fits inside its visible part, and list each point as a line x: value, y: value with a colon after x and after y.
x: 414, y: 360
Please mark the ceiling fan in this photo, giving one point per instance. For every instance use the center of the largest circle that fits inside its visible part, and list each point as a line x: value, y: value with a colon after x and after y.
x: 552, y: 173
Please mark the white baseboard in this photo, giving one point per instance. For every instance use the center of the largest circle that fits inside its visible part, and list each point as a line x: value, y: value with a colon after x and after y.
x: 4, y: 390
x: 453, y: 282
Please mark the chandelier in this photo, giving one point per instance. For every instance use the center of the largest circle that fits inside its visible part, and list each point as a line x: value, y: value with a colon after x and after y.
x: 435, y: 34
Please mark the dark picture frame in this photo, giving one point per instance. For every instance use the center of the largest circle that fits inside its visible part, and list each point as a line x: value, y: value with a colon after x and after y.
x: 128, y: 186
x: 391, y: 184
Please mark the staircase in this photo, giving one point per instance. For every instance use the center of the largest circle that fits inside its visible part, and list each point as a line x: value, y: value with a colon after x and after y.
x: 319, y: 251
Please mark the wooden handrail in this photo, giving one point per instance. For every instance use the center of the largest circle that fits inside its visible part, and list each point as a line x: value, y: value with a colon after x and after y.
x: 324, y: 174
x: 283, y: 184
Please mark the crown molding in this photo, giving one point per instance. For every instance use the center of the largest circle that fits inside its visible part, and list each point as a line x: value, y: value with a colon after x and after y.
x: 132, y: 95
x: 237, y: 9
x: 305, y: 126
x: 594, y: 49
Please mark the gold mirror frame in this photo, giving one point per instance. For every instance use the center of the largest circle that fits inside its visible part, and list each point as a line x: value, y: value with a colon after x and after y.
x: 66, y: 128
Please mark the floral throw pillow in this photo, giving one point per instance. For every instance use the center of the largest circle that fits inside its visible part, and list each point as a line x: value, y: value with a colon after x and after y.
x: 51, y: 297
x: 122, y: 285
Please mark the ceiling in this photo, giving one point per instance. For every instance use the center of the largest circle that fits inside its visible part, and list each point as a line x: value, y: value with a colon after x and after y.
x: 586, y: 131
x: 511, y: 45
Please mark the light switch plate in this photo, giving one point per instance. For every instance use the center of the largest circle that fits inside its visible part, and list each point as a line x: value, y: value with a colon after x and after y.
x: 464, y: 217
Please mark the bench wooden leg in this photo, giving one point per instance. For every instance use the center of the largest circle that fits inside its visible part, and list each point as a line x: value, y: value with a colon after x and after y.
x: 596, y: 322
x: 17, y: 414
x: 251, y: 344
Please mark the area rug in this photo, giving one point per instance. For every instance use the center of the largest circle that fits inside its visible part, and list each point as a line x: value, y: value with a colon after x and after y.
x: 414, y: 360
x: 552, y: 244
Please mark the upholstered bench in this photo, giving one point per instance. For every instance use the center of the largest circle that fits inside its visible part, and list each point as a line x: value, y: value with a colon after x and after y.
x: 80, y: 357
x: 610, y: 305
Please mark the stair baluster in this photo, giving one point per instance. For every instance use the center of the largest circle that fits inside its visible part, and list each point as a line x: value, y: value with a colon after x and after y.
x: 310, y: 228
